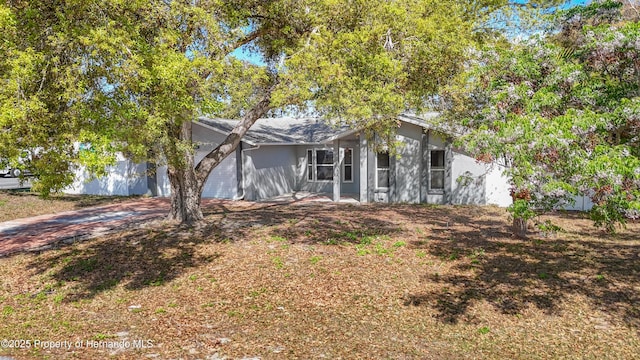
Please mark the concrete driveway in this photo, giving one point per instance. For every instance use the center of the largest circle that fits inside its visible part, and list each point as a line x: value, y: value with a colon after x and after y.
x: 41, y: 232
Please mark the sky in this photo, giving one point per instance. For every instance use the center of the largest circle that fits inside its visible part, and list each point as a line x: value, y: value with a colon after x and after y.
x: 577, y: 2
x: 244, y: 54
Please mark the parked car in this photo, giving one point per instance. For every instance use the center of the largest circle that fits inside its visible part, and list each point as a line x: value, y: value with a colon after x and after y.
x: 11, y: 170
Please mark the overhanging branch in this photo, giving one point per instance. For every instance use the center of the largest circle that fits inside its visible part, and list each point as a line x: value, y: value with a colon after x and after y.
x: 245, y: 40
x: 231, y: 142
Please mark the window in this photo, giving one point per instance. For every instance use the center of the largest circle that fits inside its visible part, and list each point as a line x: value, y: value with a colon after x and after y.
x: 320, y: 165
x: 347, y: 166
x: 436, y: 170
x: 324, y: 165
x: 382, y: 170
x: 310, y: 165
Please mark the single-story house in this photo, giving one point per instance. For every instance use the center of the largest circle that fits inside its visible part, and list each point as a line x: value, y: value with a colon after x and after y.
x: 284, y: 155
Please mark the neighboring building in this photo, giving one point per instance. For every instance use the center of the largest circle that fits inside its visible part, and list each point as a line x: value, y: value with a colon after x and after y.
x: 124, y: 178
x: 285, y: 155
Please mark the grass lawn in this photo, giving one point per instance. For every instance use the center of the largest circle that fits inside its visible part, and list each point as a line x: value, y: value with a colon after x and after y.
x: 332, y: 281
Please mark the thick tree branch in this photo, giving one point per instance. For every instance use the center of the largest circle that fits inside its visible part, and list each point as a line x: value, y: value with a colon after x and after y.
x: 217, y: 155
x: 245, y: 40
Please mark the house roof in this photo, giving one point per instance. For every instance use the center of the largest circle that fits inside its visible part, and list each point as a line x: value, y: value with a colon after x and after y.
x: 421, y: 120
x: 280, y: 130
x: 299, y: 131
x: 427, y: 121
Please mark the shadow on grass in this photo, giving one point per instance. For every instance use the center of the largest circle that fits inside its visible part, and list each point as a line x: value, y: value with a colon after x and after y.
x: 312, y: 223
x: 484, y: 263
x: 140, y: 258
x: 135, y: 259
x: 487, y: 264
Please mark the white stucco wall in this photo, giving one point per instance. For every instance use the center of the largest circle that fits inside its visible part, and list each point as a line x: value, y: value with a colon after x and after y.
x: 468, y: 179
x: 582, y: 203
x: 123, y: 179
x: 497, y: 192
x: 408, y: 166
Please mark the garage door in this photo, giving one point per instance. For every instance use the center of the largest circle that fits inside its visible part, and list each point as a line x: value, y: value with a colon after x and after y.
x: 223, y: 180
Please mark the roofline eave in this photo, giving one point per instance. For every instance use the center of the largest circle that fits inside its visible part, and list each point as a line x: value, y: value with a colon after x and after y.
x: 244, y: 139
x: 341, y: 135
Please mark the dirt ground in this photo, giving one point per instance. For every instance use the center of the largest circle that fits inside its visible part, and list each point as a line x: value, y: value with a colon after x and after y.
x: 314, y: 280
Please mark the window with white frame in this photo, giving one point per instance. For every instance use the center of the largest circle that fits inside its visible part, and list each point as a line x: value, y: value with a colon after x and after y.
x: 347, y: 165
x: 324, y: 165
x: 320, y: 165
x: 310, y: 165
x: 436, y: 170
x: 382, y: 170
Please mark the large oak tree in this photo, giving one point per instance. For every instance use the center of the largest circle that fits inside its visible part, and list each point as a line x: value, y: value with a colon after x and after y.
x: 131, y: 75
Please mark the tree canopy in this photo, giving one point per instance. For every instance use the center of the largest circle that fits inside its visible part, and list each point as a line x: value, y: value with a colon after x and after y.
x: 562, y: 111
x: 131, y: 75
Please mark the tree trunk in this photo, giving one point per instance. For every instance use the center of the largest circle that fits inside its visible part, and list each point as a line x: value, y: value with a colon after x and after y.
x: 187, y: 181
x: 185, y: 192
x: 519, y: 227
x: 185, y: 196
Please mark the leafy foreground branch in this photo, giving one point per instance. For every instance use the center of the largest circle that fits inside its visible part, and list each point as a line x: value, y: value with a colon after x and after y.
x: 562, y: 112
x: 130, y: 76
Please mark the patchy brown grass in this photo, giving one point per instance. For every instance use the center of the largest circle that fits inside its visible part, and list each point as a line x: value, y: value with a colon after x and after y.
x: 20, y: 204
x: 333, y: 281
